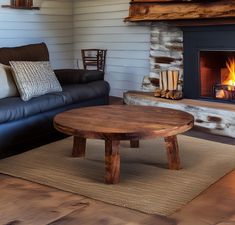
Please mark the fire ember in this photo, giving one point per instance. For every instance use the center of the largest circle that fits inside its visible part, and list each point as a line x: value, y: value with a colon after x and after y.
x: 226, y: 90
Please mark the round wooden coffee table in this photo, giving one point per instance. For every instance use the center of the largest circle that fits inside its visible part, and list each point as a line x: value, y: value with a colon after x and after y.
x: 113, y: 123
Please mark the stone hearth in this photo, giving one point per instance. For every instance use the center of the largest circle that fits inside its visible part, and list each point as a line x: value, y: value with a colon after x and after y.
x: 213, y: 117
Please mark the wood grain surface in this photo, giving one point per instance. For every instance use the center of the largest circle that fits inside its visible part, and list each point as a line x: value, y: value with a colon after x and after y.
x: 27, y: 203
x: 123, y: 122
x: 79, y: 147
x: 173, y: 152
x: 112, y: 162
x: 159, y: 10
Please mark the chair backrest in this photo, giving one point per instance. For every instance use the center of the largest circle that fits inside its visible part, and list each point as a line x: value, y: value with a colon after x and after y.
x: 94, y: 58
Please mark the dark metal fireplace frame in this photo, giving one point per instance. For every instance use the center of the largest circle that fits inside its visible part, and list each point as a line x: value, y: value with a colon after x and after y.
x: 196, y: 39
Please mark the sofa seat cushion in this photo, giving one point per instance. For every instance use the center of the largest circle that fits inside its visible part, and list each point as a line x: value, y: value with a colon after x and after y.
x: 14, y: 108
x: 82, y: 92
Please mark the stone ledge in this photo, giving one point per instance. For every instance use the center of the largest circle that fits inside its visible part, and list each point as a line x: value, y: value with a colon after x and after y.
x: 213, y: 117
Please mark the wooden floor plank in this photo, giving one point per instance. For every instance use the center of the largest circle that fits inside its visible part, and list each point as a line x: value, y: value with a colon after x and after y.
x: 26, y: 203
x: 23, y: 202
x: 99, y: 214
x: 213, y: 206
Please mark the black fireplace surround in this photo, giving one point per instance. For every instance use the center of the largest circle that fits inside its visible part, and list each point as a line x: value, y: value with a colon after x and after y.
x: 196, y: 40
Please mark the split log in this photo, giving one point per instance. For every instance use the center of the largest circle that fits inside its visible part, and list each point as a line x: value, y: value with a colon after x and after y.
x: 157, y: 92
x: 169, y: 80
x: 175, y: 79
x: 163, y: 93
x: 222, y: 94
x: 163, y: 80
x: 169, y: 95
x: 174, y: 95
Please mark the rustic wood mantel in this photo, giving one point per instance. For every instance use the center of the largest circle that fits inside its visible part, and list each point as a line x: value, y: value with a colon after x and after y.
x: 178, y: 10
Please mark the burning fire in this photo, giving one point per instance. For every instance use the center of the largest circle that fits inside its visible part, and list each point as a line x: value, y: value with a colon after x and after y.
x: 227, y: 89
x: 230, y: 80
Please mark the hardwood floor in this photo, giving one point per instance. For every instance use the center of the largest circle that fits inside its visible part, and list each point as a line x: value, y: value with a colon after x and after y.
x: 213, y: 206
x: 26, y: 203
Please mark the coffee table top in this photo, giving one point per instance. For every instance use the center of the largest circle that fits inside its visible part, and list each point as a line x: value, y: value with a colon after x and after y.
x: 123, y: 122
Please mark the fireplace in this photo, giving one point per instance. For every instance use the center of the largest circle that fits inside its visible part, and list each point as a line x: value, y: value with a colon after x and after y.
x: 217, y: 75
x: 209, y: 63
x: 197, y: 38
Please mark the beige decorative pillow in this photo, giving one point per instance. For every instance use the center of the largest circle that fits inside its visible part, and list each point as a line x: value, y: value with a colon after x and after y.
x: 7, y: 83
x: 34, y: 78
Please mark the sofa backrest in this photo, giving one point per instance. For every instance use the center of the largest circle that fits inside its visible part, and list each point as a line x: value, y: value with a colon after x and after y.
x: 32, y: 52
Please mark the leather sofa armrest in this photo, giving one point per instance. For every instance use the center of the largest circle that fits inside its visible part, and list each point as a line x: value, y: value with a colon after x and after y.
x: 72, y: 76
x: 92, y: 75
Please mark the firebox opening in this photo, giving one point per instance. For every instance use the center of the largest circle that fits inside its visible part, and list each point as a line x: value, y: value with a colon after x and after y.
x: 217, y: 75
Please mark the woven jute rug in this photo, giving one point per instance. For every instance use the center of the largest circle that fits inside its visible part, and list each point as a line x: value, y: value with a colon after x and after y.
x: 146, y: 185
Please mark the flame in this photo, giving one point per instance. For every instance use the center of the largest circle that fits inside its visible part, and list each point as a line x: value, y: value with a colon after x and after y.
x: 230, y: 80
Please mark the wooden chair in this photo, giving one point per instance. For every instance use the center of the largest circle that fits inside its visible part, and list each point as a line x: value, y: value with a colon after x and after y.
x: 94, y: 58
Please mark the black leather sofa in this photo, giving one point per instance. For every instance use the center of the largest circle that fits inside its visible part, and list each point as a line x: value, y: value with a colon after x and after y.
x: 24, y: 125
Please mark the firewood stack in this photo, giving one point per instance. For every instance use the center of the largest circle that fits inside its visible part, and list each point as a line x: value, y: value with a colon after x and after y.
x: 168, y: 85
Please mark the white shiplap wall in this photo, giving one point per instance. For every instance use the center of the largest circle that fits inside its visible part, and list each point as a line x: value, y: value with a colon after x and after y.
x: 99, y: 24
x: 52, y: 24
x: 67, y: 26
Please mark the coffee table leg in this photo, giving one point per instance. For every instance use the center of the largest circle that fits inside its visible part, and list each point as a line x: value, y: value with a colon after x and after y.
x: 79, y: 147
x: 173, y: 152
x: 112, y: 161
x: 134, y: 143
